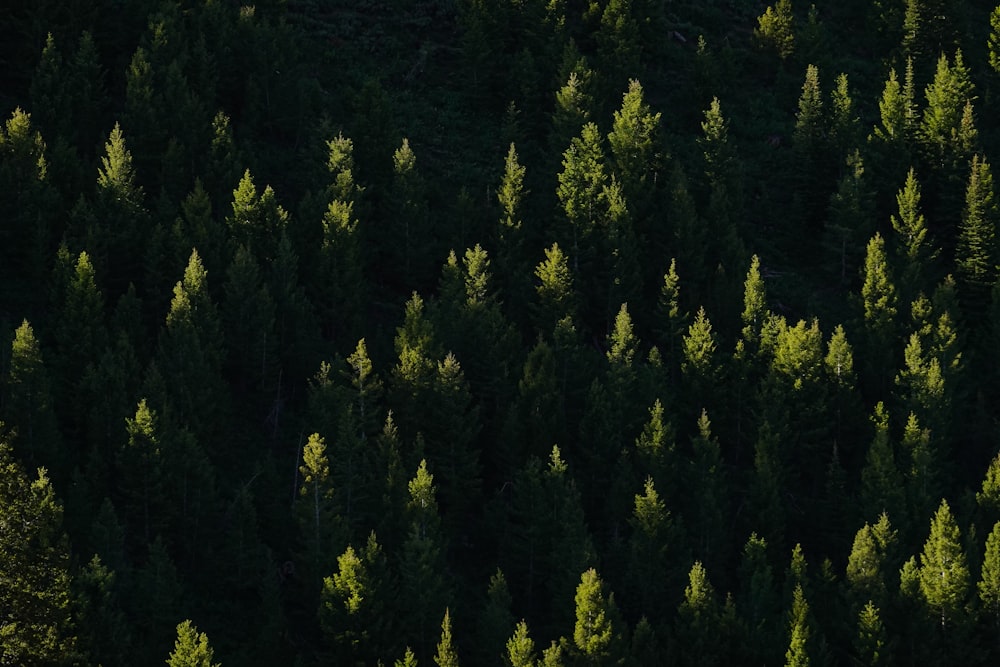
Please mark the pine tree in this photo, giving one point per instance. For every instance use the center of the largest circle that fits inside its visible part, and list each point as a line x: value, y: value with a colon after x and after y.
x: 446, y: 654
x: 993, y: 40
x: 882, y: 483
x: 913, y: 249
x: 29, y: 406
x: 989, y: 582
x: 976, y: 251
x: 699, y: 617
x: 556, y: 296
x: 581, y: 194
x: 850, y: 218
x: 943, y: 574
x: 521, y: 648
x: 495, y: 621
x: 699, y: 365
x: 775, y: 29
x: 799, y: 631
x: 870, y: 642
x: 634, y: 144
x: 191, y: 648
x: 318, y: 513
x: 425, y: 590
x: 511, y: 233
x: 27, y: 199
x: 879, y: 299
x: 594, y: 636
x: 35, y: 609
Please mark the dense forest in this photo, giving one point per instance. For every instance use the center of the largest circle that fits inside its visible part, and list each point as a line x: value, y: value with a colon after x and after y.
x: 499, y: 332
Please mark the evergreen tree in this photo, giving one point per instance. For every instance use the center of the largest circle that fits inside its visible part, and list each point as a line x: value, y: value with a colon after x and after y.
x: 699, y: 617
x: 870, y: 642
x: 699, y: 365
x: 35, y: 609
x: 594, y: 636
x: 191, y: 648
x: 976, y: 250
x: 119, y: 216
x: 775, y: 29
x: 581, y: 195
x: 879, y: 299
x: 27, y: 200
x: 318, y: 513
x: 521, y: 648
x: 511, y: 233
x: 29, y: 406
x: 882, y: 483
x: 799, y: 632
x: 913, y: 249
x: 634, y: 142
x: 989, y: 582
x: 446, y: 654
x: 556, y: 297
x: 943, y: 573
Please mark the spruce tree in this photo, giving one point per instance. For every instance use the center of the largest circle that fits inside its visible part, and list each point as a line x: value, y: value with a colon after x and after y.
x: 35, y: 608
x: 943, y: 574
x: 191, y: 648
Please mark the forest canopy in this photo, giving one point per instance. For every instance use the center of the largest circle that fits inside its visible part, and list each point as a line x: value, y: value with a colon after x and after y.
x: 499, y: 332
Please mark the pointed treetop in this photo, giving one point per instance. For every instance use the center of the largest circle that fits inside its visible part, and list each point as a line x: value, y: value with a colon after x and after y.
x: 446, y: 655
x: 191, y: 649
x: 117, y: 175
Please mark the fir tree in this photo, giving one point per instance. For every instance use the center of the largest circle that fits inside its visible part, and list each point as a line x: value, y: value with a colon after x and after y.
x: 943, y: 573
x: 191, y: 648
x: 775, y: 29
x: 35, y: 609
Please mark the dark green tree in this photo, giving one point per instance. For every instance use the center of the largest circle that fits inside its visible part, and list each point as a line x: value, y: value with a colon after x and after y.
x: 976, y: 247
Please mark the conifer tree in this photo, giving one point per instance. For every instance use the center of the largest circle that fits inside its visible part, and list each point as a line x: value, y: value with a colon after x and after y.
x: 581, y: 194
x: 799, y: 632
x: 317, y: 510
x: 446, y: 655
x: 35, y: 609
x: 495, y: 622
x: 340, y: 293
x: 913, y: 249
x: 521, y: 648
x: 882, y: 483
x: 879, y: 299
x: 421, y: 568
x: 775, y: 29
x: 511, y: 233
x: 191, y: 648
x: 870, y: 641
x: 27, y: 200
x: 699, y: 615
x: 633, y: 141
x: 699, y: 365
x: 989, y: 581
x: 943, y: 573
x: 653, y: 538
x: 556, y: 296
x: 594, y: 636
x: 850, y: 219
x: 29, y: 406
x: 976, y: 251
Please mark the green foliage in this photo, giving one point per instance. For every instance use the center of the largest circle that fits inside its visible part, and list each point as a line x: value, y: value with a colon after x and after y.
x: 775, y: 29
x: 446, y: 655
x: 191, y: 648
x: 34, y: 557
x: 943, y: 574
